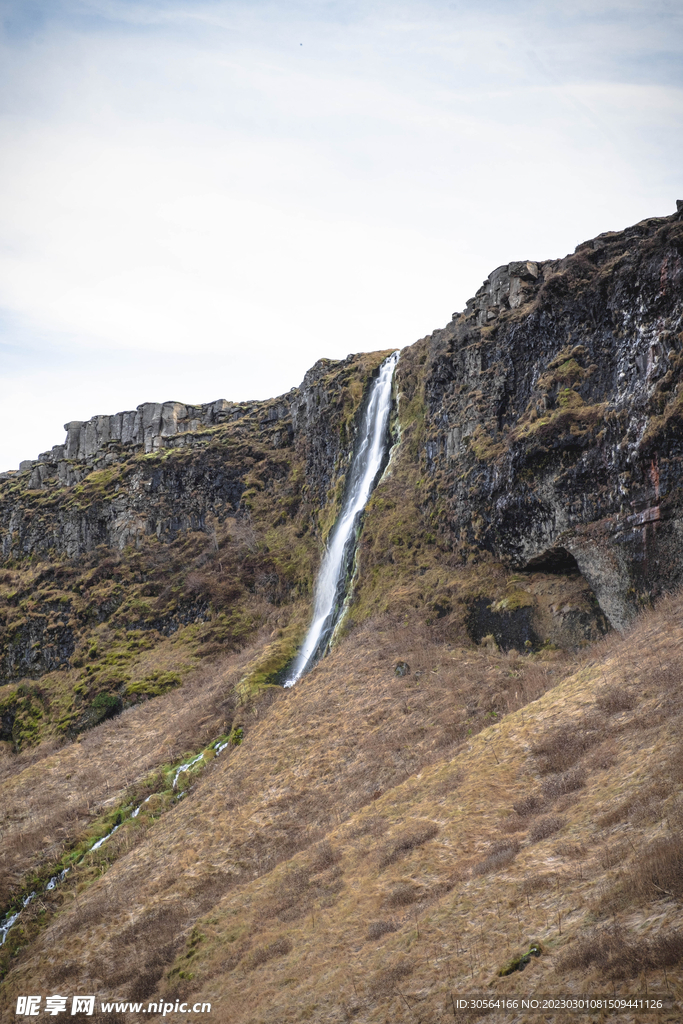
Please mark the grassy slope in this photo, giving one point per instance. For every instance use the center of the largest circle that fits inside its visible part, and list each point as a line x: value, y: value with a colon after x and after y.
x: 359, y: 856
x: 366, y: 818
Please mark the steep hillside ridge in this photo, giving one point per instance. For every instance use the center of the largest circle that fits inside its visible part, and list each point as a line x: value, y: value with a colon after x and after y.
x: 369, y: 849
x: 554, y: 413
x: 165, y: 467
x: 114, y: 586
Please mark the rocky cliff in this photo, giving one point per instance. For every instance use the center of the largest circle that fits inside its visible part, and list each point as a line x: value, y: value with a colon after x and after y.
x: 554, y: 412
x: 197, y: 464
x: 203, y: 525
x: 534, y: 499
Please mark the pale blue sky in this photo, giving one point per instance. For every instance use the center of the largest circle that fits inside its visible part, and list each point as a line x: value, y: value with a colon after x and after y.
x: 198, y: 200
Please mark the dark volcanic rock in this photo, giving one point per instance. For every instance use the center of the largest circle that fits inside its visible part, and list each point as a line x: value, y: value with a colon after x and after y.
x: 554, y: 416
x: 34, y: 648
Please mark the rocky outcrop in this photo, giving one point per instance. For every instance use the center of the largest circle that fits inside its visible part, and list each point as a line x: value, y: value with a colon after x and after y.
x: 105, y: 440
x: 555, y: 411
x: 145, y: 427
x: 35, y: 647
x: 507, y: 287
x: 165, y: 468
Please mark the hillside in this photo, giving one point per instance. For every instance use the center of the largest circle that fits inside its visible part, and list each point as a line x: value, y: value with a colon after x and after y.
x: 489, y: 757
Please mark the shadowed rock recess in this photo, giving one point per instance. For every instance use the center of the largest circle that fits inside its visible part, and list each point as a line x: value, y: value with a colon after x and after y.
x: 491, y: 712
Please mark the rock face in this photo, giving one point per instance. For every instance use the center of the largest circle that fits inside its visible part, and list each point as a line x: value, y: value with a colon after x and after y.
x: 104, y: 440
x: 209, y: 451
x: 543, y: 438
x: 37, y: 647
x: 146, y: 426
x: 90, y: 533
x: 507, y: 287
x: 554, y: 415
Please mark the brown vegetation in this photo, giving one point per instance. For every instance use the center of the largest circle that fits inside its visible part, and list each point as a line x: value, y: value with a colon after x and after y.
x: 378, y: 842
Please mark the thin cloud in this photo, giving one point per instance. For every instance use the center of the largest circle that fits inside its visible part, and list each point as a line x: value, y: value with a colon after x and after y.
x: 186, y: 183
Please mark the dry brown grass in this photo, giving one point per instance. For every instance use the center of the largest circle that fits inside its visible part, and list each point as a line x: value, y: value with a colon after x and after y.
x: 261, y: 955
x: 385, y: 981
x: 614, y: 954
x: 564, y: 782
x: 657, y: 871
x: 614, y: 699
x: 546, y: 826
x: 342, y: 810
x: 558, y: 750
x: 407, y: 842
x: 500, y: 856
x: 376, y: 929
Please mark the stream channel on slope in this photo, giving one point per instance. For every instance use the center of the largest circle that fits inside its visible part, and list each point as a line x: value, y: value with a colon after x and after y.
x: 367, y: 465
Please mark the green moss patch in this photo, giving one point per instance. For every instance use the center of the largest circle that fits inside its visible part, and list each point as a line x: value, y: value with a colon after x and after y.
x: 518, y: 963
x: 270, y: 667
x: 154, y: 684
x: 513, y: 599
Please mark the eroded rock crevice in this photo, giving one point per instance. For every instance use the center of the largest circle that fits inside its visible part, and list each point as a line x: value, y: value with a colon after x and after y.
x: 555, y: 560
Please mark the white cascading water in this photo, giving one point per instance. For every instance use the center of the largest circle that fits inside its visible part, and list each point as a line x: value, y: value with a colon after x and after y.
x: 365, y: 468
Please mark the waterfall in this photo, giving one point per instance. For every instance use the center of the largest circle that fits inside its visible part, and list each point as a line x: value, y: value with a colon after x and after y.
x: 366, y: 466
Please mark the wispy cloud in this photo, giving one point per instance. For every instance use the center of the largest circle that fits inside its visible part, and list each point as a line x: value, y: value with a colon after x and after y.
x: 244, y: 187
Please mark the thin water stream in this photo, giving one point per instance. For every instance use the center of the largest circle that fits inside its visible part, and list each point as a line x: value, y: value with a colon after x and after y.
x: 366, y: 466
x: 11, y: 918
